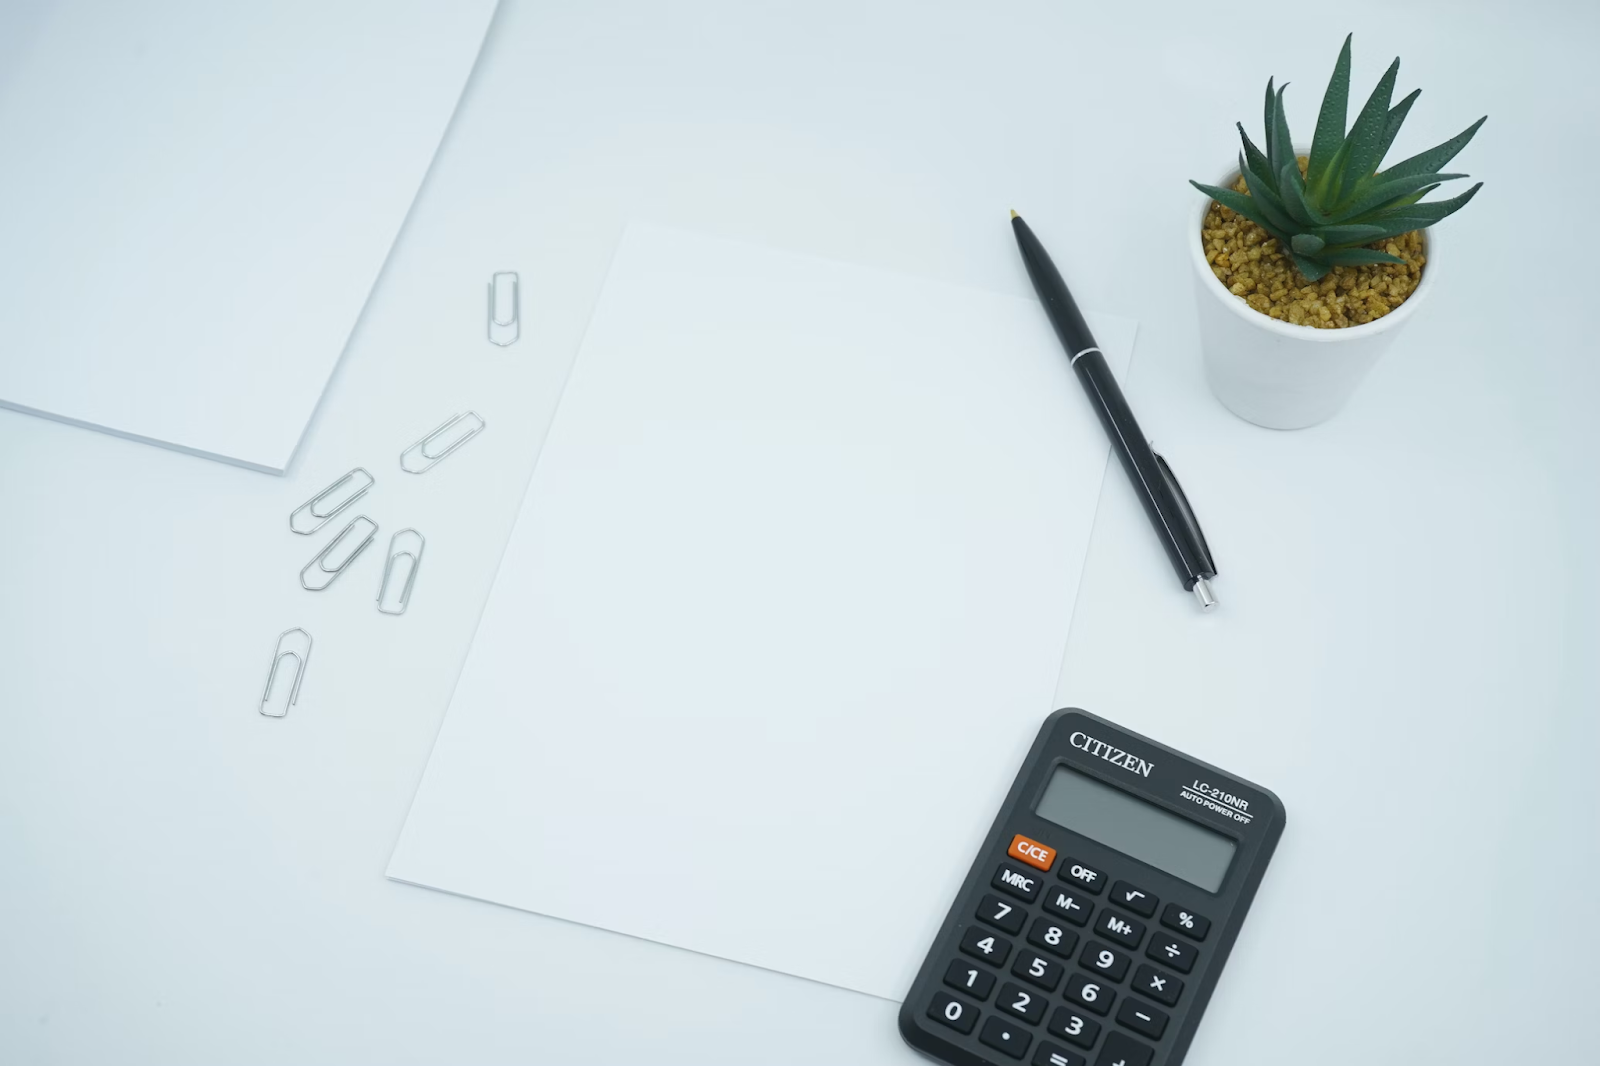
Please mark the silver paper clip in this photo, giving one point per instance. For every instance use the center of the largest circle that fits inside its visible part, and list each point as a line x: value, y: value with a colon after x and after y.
x: 505, y: 308
x: 317, y: 512
x: 444, y: 439
x: 279, y: 653
x: 326, y: 574
x: 410, y: 549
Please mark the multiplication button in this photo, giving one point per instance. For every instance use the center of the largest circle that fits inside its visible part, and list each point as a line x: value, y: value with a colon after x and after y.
x: 1159, y: 986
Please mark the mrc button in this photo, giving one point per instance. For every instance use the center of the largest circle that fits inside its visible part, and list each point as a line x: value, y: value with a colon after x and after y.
x: 1031, y: 852
x: 1019, y: 882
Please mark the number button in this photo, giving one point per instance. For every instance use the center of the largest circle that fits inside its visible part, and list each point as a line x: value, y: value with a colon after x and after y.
x: 1068, y: 905
x: 1050, y: 1055
x: 1122, y: 1050
x: 948, y: 1010
x: 1142, y: 1018
x: 1090, y: 991
x: 1185, y: 921
x: 1126, y: 931
x: 1038, y: 970
x: 982, y: 944
x: 1161, y: 987
x: 1018, y: 882
x: 1006, y: 1038
x: 1073, y: 1027
x: 1173, y: 952
x: 1000, y: 914
x: 1104, y: 961
x: 1014, y: 999
x: 1087, y: 876
x: 1052, y: 937
x: 971, y: 980
x: 1136, y: 900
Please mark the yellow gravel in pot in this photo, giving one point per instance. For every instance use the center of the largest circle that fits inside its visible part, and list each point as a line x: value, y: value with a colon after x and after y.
x: 1248, y: 261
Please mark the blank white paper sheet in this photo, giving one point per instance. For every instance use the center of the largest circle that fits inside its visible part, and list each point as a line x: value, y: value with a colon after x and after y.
x: 784, y: 607
x: 197, y: 198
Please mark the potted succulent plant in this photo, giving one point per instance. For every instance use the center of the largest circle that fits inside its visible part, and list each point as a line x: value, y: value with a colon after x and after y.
x: 1307, y: 265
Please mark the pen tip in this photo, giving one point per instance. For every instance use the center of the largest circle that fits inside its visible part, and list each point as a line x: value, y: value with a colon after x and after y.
x: 1014, y: 213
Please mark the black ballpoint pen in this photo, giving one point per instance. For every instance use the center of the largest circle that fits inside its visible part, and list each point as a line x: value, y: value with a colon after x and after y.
x: 1163, y: 499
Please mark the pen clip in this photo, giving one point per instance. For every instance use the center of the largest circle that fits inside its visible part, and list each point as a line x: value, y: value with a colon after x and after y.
x: 1191, y: 525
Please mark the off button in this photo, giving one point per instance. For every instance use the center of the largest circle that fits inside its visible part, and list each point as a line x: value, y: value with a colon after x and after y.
x: 1031, y: 852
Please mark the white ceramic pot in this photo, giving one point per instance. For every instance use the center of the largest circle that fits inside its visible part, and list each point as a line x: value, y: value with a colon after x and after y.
x: 1277, y: 374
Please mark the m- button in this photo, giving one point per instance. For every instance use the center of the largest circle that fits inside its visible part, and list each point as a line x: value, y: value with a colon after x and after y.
x: 1031, y: 852
x: 1024, y: 884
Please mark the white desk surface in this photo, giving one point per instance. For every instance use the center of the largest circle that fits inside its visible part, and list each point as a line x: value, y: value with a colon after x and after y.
x: 1406, y: 652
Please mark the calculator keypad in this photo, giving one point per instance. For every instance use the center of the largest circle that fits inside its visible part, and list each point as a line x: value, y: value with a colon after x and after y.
x: 1073, y: 1026
x: 1185, y: 921
x: 1038, y: 970
x: 1090, y: 992
x: 969, y: 979
x: 1026, y: 1003
x: 1173, y: 952
x: 1103, y: 960
x: 1159, y: 986
x: 1083, y: 875
x: 1090, y: 973
x: 1121, y: 1050
x: 1119, y: 927
x: 948, y: 1010
x: 1051, y: 1055
x: 1142, y: 1018
x: 1057, y: 939
x: 980, y: 943
x: 1005, y: 1037
x: 1068, y: 905
x: 1018, y: 881
x: 1007, y: 917
x: 1134, y: 899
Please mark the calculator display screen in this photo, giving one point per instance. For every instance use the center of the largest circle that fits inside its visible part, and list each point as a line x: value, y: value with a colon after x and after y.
x: 1142, y: 830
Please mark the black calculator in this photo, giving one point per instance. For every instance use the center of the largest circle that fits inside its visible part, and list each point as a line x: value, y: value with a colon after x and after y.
x: 1097, y: 918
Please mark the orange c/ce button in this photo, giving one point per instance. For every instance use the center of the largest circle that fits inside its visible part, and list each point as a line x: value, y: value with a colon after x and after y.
x: 1031, y: 852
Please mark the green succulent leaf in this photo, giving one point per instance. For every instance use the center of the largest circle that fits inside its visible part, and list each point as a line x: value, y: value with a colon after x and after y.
x: 1292, y: 191
x: 1364, y: 146
x: 1280, y: 147
x: 1393, y: 227
x: 1430, y: 161
x: 1267, y: 202
x: 1376, y: 195
x: 1308, y: 244
x: 1238, y: 201
x: 1397, y: 118
x: 1362, y: 234
x: 1329, y: 137
x: 1425, y: 215
x: 1313, y: 269
x: 1357, y: 257
x: 1258, y: 163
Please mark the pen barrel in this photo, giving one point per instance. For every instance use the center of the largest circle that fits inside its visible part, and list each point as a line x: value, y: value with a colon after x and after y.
x: 1158, y: 490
